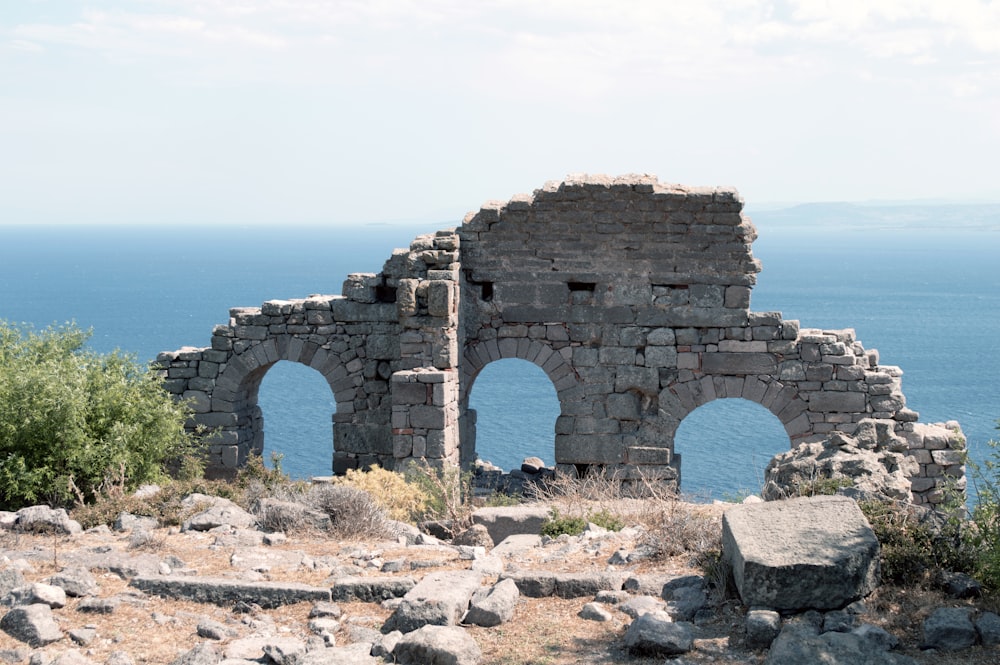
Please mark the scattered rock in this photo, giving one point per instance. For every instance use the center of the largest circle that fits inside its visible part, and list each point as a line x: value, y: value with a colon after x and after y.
x: 128, y: 522
x: 82, y: 636
x: 595, y: 612
x: 384, y: 647
x: 988, y: 627
x: 42, y: 519
x: 960, y: 585
x: 437, y: 645
x: 440, y: 599
x: 214, y: 630
x: 654, y: 634
x: 71, y: 657
x: 285, y: 651
x: 75, y: 581
x: 873, y: 461
x: 882, y: 640
x: 10, y: 579
x: 98, y: 605
x: 799, y: 644
x: 351, y: 654
x: 325, y: 610
x: 31, y: 624
x: 46, y: 594
x: 214, y: 512
x: 840, y: 621
x: 762, y: 626
x: 475, y: 536
x: 493, y: 606
x: 532, y: 465
x: 949, y: 629
x: 636, y: 606
x: 205, y: 653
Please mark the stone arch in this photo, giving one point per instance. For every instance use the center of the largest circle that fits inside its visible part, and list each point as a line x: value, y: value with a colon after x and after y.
x: 725, y: 446
x: 780, y: 398
x: 631, y: 294
x: 478, y: 355
x: 237, y: 386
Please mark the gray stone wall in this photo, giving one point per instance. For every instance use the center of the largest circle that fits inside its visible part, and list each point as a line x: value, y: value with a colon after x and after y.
x: 633, y: 296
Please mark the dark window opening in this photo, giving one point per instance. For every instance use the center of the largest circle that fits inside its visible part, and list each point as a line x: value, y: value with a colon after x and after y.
x: 487, y: 291
x: 581, y: 286
x: 386, y: 294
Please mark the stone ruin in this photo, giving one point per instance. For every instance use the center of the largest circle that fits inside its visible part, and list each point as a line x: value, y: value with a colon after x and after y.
x: 632, y: 295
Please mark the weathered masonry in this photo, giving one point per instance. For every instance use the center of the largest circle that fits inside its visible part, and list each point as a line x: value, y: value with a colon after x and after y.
x: 632, y: 295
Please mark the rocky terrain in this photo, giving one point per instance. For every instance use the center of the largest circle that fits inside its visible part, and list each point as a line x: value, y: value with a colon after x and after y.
x: 220, y: 590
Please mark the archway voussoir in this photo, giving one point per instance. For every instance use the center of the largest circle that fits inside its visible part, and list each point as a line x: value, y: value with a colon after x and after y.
x: 707, y: 389
x: 508, y: 347
x: 734, y: 386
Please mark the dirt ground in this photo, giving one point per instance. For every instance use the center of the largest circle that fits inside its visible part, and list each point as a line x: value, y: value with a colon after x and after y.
x: 544, y: 630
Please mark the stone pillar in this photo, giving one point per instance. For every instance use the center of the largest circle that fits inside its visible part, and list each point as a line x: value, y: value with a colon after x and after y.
x: 425, y: 422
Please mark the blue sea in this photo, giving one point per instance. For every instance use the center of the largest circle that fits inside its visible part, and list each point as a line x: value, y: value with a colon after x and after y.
x: 923, y: 288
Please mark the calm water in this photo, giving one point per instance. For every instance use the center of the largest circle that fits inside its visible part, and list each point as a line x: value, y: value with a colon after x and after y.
x: 929, y: 301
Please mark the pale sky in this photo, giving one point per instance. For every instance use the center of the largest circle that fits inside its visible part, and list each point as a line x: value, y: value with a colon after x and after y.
x: 312, y: 111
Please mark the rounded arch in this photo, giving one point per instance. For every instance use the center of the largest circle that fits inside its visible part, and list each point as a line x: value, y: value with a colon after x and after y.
x: 781, y: 399
x: 725, y: 445
x: 297, y: 409
x: 516, y: 412
x: 479, y: 354
x: 238, y: 385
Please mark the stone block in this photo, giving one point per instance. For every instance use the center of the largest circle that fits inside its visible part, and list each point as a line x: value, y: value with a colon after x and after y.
x: 800, y: 554
x: 623, y: 406
x: 439, y: 599
x: 589, y: 449
x: 661, y: 356
x: 739, y: 363
x: 505, y: 521
x: 643, y: 379
x: 837, y: 402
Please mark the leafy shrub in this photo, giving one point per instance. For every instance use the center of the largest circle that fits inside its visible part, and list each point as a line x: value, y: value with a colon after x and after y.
x: 986, y: 517
x: 557, y: 525
x: 917, y: 543
x: 605, y: 519
x: 502, y: 500
x: 448, y: 491
x: 69, y: 417
x: 401, y: 499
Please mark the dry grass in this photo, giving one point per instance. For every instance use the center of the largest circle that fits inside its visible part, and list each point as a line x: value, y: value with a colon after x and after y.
x: 544, y: 631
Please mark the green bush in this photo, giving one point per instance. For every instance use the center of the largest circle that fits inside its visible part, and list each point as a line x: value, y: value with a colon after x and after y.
x: 70, y: 418
x: 986, y: 517
x: 917, y: 544
x: 557, y: 525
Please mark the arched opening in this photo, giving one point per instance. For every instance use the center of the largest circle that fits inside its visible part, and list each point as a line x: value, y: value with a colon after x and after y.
x: 725, y: 445
x: 297, y: 406
x: 516, y: 409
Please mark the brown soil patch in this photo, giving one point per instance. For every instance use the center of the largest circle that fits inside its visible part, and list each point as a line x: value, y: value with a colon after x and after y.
x: 544, y: 631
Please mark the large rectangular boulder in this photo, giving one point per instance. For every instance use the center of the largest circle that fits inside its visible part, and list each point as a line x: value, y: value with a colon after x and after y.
x: 440, y: 599
x: 799, y: 554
